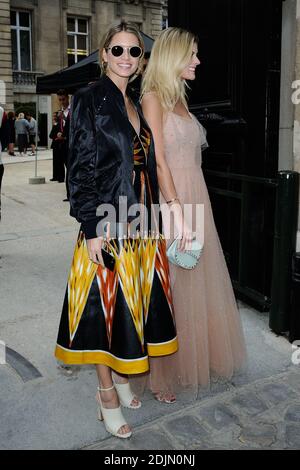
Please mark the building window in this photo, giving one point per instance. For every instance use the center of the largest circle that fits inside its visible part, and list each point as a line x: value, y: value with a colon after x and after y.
x: 21, y: 40
x: 78, y: 39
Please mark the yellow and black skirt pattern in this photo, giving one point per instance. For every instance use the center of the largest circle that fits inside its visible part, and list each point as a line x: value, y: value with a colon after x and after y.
x: 118, y: 318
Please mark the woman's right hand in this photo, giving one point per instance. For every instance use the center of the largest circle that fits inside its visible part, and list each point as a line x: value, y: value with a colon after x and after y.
x: 94, y: 246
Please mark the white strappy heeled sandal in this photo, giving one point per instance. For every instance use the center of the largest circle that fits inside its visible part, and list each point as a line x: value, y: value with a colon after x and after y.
x: 112, y: 417
x: 126, y: 396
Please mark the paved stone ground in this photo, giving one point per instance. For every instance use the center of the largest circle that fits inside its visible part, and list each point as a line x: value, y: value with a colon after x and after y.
x: 262, y: 415
x: 56, y: 410
x: 42, y: 154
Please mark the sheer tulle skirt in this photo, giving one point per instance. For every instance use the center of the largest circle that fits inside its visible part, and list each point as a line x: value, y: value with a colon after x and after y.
x: 210, y: 335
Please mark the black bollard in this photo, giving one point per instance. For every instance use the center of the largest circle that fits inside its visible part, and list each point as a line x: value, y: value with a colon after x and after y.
x: 295, y: 300
x: 284, y: 248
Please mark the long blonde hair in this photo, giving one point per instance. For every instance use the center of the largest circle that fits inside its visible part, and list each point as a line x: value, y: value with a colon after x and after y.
x: 170, y: 54
x: 108, y: 36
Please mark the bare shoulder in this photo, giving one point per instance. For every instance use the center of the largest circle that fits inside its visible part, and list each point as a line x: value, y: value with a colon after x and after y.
x: 151, y: 103
x: 151, y: 97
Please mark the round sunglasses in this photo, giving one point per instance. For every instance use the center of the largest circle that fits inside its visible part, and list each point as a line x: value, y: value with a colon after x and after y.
x: 134, y: 51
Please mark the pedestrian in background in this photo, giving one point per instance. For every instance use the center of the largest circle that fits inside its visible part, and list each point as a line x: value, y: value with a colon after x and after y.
x: 22, y: 129
x: 2, y: 114
x: 4, y: 129
x: 63, y: 133
x: 58, y: 173
x: 1, y: 176
x: 32, y: 133
x: 12, y: 133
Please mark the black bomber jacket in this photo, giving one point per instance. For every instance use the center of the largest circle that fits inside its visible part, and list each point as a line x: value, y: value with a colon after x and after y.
x: 101, y: 153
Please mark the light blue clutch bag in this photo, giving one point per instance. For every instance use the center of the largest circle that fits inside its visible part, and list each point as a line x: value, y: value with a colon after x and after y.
x: 187, y: 259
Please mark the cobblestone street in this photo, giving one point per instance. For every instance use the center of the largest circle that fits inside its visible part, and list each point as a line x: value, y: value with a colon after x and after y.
x: 263, y: 415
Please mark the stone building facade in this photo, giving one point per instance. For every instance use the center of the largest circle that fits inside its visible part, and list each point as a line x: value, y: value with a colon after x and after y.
x: 296, y: 130
x: 39, y: 37
x: 289, y: 133
x: 6, y: 80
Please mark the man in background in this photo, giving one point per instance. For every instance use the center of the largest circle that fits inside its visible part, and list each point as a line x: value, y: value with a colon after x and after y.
x: 62, y: 137
x: 2, y: 138
x: 57, y: 161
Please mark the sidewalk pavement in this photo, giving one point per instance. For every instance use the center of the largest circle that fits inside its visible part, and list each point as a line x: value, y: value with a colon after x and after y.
x: 42, y: 154
x: 262, y: 415
x: 46, y: 406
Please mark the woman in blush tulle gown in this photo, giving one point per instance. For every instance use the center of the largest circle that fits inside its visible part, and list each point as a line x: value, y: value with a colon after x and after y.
x: 210, y: 335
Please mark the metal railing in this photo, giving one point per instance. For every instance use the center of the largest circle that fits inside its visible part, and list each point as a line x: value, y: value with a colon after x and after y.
x: 25, y: 78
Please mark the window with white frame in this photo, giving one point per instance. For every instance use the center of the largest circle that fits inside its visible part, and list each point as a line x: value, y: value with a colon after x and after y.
x: 78, y: 39
x: 21, y: 40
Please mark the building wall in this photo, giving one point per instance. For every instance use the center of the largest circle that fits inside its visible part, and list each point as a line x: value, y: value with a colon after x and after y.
x: 296, y: 105
x: 50, y: 24
x: 286, y: 128
x: 6, y: 85
x: 49, y: 31
x: 289, y: 132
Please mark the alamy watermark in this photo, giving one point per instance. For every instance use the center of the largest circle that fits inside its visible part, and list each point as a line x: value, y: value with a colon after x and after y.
x: 2, y: 352
x: 296, y: 353
x: 138, y: 220
x: 296, y: 94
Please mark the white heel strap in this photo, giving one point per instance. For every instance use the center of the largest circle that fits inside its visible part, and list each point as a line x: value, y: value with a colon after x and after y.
x: 126, y: 396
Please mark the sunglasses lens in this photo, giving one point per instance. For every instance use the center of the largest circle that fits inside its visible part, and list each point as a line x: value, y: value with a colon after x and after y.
x: 135, y: 51
x: 117, y: 51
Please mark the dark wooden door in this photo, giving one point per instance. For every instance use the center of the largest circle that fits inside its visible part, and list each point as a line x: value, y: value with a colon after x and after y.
x: 236, y: 97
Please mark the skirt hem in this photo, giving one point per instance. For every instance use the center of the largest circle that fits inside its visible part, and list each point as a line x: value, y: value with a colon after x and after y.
x: 123, y: 366
x: 163, y: 349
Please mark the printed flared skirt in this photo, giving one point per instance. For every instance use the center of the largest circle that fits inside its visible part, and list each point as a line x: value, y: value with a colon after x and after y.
x: 118, y: 318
